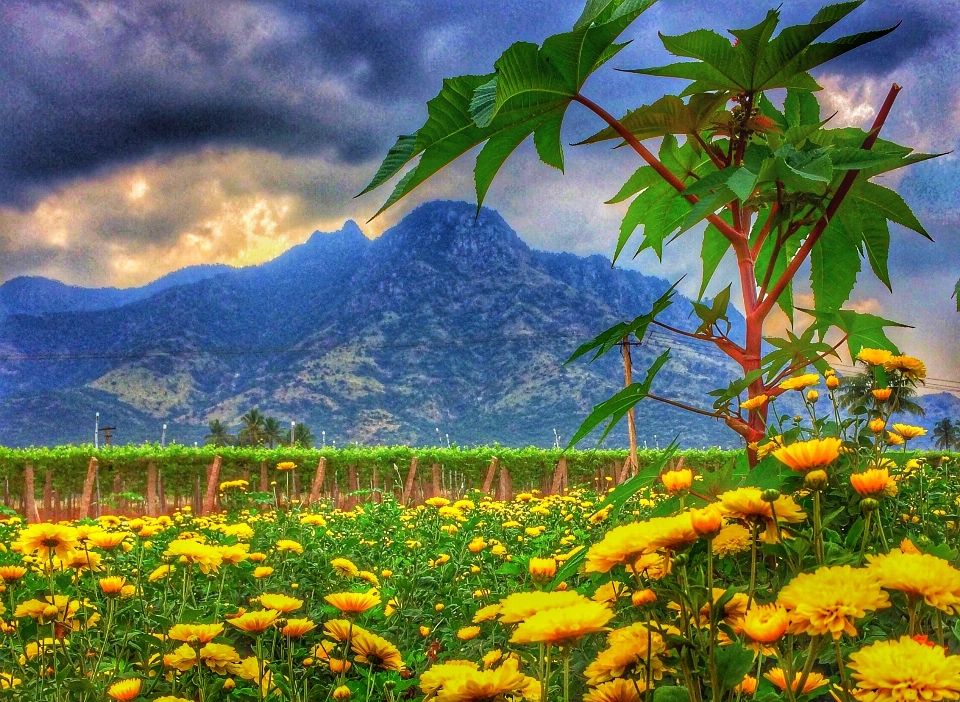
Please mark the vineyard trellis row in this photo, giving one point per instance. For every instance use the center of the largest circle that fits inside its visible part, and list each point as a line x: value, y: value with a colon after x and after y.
x: 70, y: 482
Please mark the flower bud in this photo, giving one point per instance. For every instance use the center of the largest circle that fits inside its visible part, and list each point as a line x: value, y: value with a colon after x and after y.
x: 833, y: 382
x: 770, y: 495
x: 643, y: 597
x: 680, y: 559
x: 816, y: 480
x: 812, y: 396
x: 706, y: 522
x: 868, y: 504
x: 882, y: 394
x: 877, y: 425
x: 342, y: 693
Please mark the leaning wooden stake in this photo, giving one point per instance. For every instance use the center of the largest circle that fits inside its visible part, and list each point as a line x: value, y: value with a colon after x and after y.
x: 318, y: 481
x: 491, y: 471
x: 560, y: 479
x: 152, y: 506
x: 213, y: 484
x: 29, y: 498
x: 631, y: 421
x: 86, y: 501
x: 505, y: 486
x: 436, y: 489
x: 48, y: 495
x: 408, y: 486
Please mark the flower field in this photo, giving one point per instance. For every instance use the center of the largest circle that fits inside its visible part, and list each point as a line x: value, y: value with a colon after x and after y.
x: 828, y: 569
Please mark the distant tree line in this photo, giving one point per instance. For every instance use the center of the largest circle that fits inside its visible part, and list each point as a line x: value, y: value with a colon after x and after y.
x: 257, y: 429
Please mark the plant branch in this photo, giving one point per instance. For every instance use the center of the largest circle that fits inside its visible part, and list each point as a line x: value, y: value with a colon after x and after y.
x: 664, y: 172
x: 766, y: 304
x: 722, y: 342
x: 797, y: 366
x: 714, y: 157
x: 761, y: 237
x: 673, y: 403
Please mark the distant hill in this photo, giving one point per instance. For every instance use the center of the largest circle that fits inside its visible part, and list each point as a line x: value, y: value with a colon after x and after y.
x: 447, y: 321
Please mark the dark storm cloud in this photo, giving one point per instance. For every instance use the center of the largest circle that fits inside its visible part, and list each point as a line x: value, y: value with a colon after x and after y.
x: 88, y: 84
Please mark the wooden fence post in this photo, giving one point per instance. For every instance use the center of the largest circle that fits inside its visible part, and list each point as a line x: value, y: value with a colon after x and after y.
x: 491, y: 471
x: 48, y: 495
x: 86, y: 501
x: 151, y: 489
x: 625, y: 471
x: 29, y: 498
x: 318, y: 480
x: 560, y: 478
x: 408, y: 486
x: 353, y: 484
x: 264, y: 484
x: 213, y: 485
x: 505, y: 486
x: 436, y: 489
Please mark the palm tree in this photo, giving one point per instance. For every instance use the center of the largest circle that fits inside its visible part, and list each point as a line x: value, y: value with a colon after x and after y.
x: 272, y: 432
x: 854, y: 391
x: 251, y: 434
x: 219, y: 434
x: 302, y: 436
x: 946, y: 435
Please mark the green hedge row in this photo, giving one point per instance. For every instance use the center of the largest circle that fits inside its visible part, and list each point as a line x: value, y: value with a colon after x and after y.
x: 180, y: 465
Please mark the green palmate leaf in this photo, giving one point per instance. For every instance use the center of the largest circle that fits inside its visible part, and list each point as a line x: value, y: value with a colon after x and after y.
x: 608, y: 340
x: 887, y: 202
x: 795, y: 350
x: 834, y: 264
x: 801, y: 108
x: 862, y: 330
x: 868, y: 226
x: 397, y: 157
x: 668, y: 115
x: 617, y: 406
x: 956, y: 294
x: 710, y: 316
x: 726, y: 395
x: 714, y: 248
x: 642, y: 179
x: 660, y: 209
x: 760, y: 61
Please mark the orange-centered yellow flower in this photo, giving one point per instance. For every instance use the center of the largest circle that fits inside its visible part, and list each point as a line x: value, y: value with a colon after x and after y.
x: 909, y: 431
x: 919, y: 575
x: 905, y: 671
x: 802, y: 456
x: 353, y: 602
x: 754, y: 402
x: 874, y: 357
x: 677, y: 480
x: 800, y: 382
x: 870, y: 482
x: 125, y: 690
x: 765, y: 623
x: 47, y: 540
x: 281, y: 603
x: 563, y: 625
x: 255, y: 623
x: 195, y: 633
x: 830, y: 599
x: 907, y: 365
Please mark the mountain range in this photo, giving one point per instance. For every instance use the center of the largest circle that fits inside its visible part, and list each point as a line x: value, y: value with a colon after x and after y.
x: 448, y: 325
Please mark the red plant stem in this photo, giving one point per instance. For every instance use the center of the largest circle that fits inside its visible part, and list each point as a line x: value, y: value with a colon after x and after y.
x: 767, y: 303
x: 664, y: 172
x: 765, y: 231
x: 673, y: 403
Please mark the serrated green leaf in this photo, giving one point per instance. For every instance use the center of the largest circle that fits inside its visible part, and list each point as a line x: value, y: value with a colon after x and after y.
x: 868, y: 225
x: 801, y: 108
x: 834, y: 265
x: 642, y: 179
x: 546, y: 139
x: 889, y: 203
x: 862, y: 330
x: 615, y: 408
x: 397, y: 157
x: 742, y: 182
x: 668, y: 115
x: 714, y: 248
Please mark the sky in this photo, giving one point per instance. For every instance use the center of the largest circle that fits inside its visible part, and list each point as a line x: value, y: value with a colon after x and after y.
x: 143, y: 136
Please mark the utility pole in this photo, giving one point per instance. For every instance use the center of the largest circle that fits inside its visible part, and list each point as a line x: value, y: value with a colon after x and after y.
x: 631, y: 422
x: 292, y: 425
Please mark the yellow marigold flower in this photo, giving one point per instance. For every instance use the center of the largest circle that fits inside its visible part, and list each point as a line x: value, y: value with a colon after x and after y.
x: 261, y: 572
x: 161, y: 572
x: 255, y: 623
x: 874, y: 357
x: 677, y: 480
x: 286, y: 465
x: 521, y: 605
x: 477, y: 545
x: 542, y: 569
x: 747, y: 504
x: 905, y: 671
x: 908, y: 365
x: 802, y: 456
x: 341, y: 629
x: 344, y: 567
x: 107, y: 540
x: 919, y: 575
x: 563, y: 625
x: 828, y: 600
x: 220, y: 658
x: 369, y: 577
x: 877, y: 425
x: 813, y: 396
x: 424, y: 631
x: 125, y: 690
x: 643, y: 597
x: 468, y: 632
x: 353, y: 602
x: 909, y: 431
x: 113, y: 585
x: 190, y: 633
x: 627, y: 651
x: 894, y: 439
x: 11, y: 573
x: 376, y: 652
x: 706, y: 522
x: 800, y: 382
x: 624, y: 543
x: 488, y: 613
x: 296, y: 628
x: 870, y: 482
x: 749, y: 684
x: 733, y: 538
x: 235, y: 553
x: 342, y: 693
x: 882, y: 394
x: 281, y: 603
x: 289, y: 545
x: 609, y: 592
x: 437, y: 676
x: 46, y: 540
x: 765, y: 623
x: 469, y: 685
x: 618, y: 690
x: 779, y: 678
x: 754, y: 402
x: 437, y: 502
x: 207, y: 558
